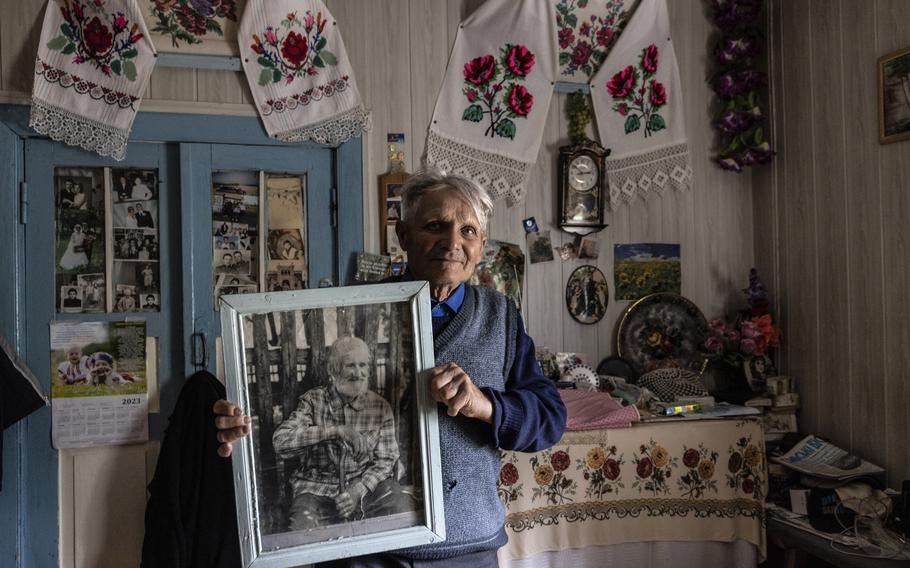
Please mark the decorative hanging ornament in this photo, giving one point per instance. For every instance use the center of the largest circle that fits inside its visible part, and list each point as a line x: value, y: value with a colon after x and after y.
x: 93, y: 66
x: 299, y: 73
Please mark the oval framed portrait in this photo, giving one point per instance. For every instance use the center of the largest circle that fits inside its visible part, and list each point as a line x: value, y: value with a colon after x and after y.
x: 587, y: 294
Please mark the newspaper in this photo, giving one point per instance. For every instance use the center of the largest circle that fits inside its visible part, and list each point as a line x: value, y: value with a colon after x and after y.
x: 814, y: 456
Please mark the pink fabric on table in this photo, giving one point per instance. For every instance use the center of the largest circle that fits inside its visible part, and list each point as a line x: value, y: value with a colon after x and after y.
x: 593, y: 410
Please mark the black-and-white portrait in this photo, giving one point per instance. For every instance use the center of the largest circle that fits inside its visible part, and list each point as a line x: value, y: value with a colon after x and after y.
x: 134, y: 185
x: 334, y: 414
x: 136, y: 244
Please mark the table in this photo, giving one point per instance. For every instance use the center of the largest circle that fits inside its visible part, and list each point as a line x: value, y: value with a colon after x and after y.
x: 692, y: 481
x: 797, y: 543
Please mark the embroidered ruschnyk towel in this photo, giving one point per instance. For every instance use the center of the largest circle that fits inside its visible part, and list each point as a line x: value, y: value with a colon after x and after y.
x: 638, y: 105
x: 93, y: 66
x: 586, y: 31
x: 490, y: 113
x: 299, y: 72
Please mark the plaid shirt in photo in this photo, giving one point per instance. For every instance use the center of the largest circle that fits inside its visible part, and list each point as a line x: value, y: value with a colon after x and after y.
x: 320, y: 411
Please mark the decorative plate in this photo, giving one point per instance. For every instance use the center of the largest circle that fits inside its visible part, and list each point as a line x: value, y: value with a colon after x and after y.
x: 587, y: 294
x: 584, y: 377
x: 662, y: 330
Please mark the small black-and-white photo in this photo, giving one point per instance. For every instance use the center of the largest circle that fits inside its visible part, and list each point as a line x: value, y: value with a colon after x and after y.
x: 93, y: 292
x: 232, y: 262
x: 136, y: 244
x: 136, y: 215
x: 71, y: 299
x: 79, y: 188
x: 134, y: 185
x: 126, y: 298
x: 283, y: 280
x: 149, y: 302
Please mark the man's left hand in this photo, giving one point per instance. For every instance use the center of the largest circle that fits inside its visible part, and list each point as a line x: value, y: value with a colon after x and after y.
x: 453, y: 387
x: 348, y: 501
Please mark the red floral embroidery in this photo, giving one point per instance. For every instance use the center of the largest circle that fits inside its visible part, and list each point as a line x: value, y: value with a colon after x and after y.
x: 585, y: 41
x: 560, y: 460
x: 189, y: 21
x: 488, y: 78
x: 508, y: 475
x: 91, y: 33
x: 631, y: 102
x: 302, y: 52
x: 622, y: 83
x: 479, y: 70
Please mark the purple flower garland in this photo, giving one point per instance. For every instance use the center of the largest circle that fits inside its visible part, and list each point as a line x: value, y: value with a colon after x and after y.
x: 736, y: 83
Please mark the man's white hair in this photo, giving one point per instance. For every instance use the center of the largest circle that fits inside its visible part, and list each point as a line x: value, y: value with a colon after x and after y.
x: 432, y: 180
x: 342, y: 346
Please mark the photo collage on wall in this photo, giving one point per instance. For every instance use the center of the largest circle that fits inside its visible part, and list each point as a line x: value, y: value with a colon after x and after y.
x: 136, y: 245
x: 79, y: 244
x: 235, y: 232
x: 242, y: 262
x: 103, y: 211
x: 287, y: 268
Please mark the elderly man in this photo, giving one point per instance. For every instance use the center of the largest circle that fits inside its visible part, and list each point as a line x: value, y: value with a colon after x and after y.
x: 346, y: 435
x: 491, y: 390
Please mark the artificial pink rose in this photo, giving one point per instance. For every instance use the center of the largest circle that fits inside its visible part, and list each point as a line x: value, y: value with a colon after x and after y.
x: 644, y: 468
x: 649, y: 59
x: 691, y: 457
x: 508, y: 475
x: 732, y: 335
x: 520, y: 60
x: 747, y: 346
x: 560, y: 460
x: 735, y: 462
x: 749, y: 330
x: 295, y: 49
x: 658, y: 94
x: 98, y: 38
x: 520, y: 100
x: 611, y: 469
x: 566, y: 37
x: 480, y: 69
x: 581, y: 53
x: 622, y: 83
x: 714, y: 345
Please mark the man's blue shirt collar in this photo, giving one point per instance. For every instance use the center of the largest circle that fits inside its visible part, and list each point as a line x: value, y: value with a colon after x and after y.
x: 447, y: 307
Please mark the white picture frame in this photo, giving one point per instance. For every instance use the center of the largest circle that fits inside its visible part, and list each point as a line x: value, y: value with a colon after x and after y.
x: 393, y: 313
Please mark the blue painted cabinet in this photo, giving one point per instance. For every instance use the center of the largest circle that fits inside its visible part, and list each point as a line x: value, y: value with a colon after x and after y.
x: 192, y: 148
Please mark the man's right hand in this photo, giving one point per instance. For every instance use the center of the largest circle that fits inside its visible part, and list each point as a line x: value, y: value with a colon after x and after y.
x: 232, y: 425
x: 354, y: 439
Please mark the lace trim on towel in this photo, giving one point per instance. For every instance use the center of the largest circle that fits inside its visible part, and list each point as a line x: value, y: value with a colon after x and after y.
x: 503, y: 177
x: 651, y: 172
x: 76, y: 130
x: 332, y: 132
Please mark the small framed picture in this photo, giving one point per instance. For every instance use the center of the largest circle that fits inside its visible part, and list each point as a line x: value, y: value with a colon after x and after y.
x: 894, y: 96
x: 313, y: 484
x: 587, y: 294
x: 390, y: 212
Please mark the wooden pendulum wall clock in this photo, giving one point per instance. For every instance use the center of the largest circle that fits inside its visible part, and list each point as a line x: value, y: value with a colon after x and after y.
x: 582, y: 175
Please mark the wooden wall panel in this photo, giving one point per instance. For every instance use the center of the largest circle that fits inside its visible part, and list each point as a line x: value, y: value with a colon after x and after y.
x: 838, y: 209
x: 894, y: 164
x: 20, y: 28
x: 827, y: 77
x: 219, y: 86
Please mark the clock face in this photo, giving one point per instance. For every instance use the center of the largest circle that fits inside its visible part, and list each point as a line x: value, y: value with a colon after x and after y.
x: 582, y: 173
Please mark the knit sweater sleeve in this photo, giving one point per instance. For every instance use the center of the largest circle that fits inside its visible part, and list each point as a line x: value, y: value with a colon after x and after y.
x: 529, y: 414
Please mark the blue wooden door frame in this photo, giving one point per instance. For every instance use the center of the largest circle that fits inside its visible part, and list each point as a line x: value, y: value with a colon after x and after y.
x: 29, y: 531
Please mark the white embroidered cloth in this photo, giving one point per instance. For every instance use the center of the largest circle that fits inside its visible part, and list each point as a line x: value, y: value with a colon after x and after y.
x: 638, y: 105
x: 490, y: 113
x: 299, y: 73
x: 93, y: 66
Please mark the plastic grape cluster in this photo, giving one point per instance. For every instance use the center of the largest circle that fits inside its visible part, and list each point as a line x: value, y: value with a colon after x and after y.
x: 579, y: 114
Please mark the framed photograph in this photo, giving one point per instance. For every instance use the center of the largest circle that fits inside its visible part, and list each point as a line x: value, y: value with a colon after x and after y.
x: 894, y: 96
x: 390, y: 210
x: 343, y: 458
x: 587, y: 294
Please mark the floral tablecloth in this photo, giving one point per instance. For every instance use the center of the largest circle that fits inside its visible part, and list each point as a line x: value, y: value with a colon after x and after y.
x: 700, y: 480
